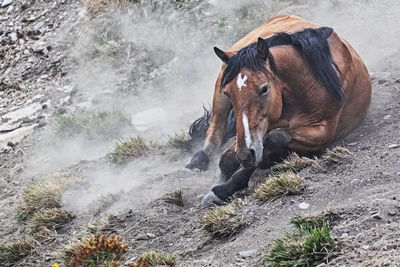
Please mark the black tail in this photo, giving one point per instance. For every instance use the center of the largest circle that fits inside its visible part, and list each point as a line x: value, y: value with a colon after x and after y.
x: 199, y: 127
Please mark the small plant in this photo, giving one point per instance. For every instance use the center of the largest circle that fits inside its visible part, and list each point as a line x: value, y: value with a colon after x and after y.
x: 99, y: 250
x: 309, y: 244
x: 154, y: 258
x: 43, y: 194
x: 125, y: 149
x: 175, y: 197
x: 224, y: 221
x: 44, y: 222
x: 11, y: 253
x: 180, y: 140
x: 37, y: 196
x: 293, y: 163
x: 336, y: 155
x: 286, y: 183
x: 101, y: 123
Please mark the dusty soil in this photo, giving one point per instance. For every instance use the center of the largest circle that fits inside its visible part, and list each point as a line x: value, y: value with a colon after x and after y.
x: 363, y: 190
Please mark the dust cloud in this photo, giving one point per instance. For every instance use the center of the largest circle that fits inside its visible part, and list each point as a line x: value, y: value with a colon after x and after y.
x: 160, y: 57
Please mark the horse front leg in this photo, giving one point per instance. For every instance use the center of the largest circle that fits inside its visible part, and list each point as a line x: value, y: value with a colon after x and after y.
x: 215, y: 133
x: 277, y: 145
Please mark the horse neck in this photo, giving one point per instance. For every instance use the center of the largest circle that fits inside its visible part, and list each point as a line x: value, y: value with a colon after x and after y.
x: 299, y: 86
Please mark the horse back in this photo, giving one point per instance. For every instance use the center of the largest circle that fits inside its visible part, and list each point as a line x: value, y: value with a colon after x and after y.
x: 280, y: 23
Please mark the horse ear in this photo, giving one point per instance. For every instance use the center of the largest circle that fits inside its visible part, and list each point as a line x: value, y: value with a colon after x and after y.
x: 224, y: 56
x: 262, y: 48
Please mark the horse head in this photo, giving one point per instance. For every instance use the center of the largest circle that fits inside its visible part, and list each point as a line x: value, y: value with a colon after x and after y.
x: 255, y: 93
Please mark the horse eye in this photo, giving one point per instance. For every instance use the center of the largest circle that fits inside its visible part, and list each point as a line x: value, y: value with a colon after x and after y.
x: 264, y: 90
x: 225, y: 93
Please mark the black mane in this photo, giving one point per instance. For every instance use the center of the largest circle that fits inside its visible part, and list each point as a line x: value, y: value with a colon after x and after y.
x: 311, y: 43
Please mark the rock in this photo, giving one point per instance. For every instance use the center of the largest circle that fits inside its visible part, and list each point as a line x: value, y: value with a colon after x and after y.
x: 38, y: 25
x: 365, y: 247
x: 6, y: 3
x: 247, y: 253
x: 393, y: 145
x: 150, y: 235
x: 13, y: 37
x: 376, y: 216
x: 344, y: 235
x: 304, y: 205
x: 10, y: 9
x: 3, y: 18
x: 392, y: 212
x: 149, y: 119
x: 387, y: 117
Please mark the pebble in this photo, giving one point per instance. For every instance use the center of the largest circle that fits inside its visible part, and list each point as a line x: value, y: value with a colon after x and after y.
x: 376, y: 216
x: 38, y: 25
x: 393, y: 145
x: 6, y: 3
x: 304, y: 205
x: 13, y: 37
x: 344, y: 235
x: 387, y: 117
x: 247, y: 253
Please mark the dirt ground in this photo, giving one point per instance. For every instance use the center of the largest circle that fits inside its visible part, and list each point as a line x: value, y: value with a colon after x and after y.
x: 364, y: 190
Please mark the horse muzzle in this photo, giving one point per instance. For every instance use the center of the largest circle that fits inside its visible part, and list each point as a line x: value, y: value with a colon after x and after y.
x: 252, y: 156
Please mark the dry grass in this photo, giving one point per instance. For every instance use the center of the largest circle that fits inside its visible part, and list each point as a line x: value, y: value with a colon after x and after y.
x: 154, y: 258
x: 99, y: 250
x: 127, y: 149
x: 336, y: 155
x: 44, y: 222
x: 293, y: 163
x: 11, y: 253
x: 224, y: 221
x: 44, y: 194
x: 286, y: 183
x: 175, y: 197
x: 180, y: 140
x: 310, y: 243
x: 89, y: 124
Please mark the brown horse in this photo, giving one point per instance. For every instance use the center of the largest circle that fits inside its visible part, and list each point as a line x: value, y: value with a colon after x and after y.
x: 293, y: 86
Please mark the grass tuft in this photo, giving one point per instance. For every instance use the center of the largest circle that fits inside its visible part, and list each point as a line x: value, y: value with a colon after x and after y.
x: 44, y: 222
x: 310, y: 243
x: 175, y: 197
x: 126, y: 149
x: 99, y: 250
x: 224, y: 221
x: 336, y: 155
x: 286, y: 183
x: 44, y: 194
x: 11, y: 253
x: 154, y: 258
x: 95, y: 124
x: 180, y: 140
x: 293, y: 163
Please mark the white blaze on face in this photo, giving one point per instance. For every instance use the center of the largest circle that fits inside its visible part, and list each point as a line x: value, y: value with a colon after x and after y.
x: 247, y: 136
x: 241, y: 81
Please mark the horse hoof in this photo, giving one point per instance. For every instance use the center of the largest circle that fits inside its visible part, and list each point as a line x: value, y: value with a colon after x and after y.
x: 211, y: 199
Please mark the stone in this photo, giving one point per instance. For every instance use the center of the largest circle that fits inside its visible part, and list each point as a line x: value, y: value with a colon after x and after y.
x: 387, y: 117
x: 376, y: 216
x: 304, y: 205
x: 38, y: 25
x: 6, y: 3
x: 247, y: 253
x: 149, y: 119
x: 393, y: 145
x: 13, y: 37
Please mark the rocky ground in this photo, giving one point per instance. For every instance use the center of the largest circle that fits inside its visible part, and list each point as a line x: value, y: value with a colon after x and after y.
x: 42, y: 74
